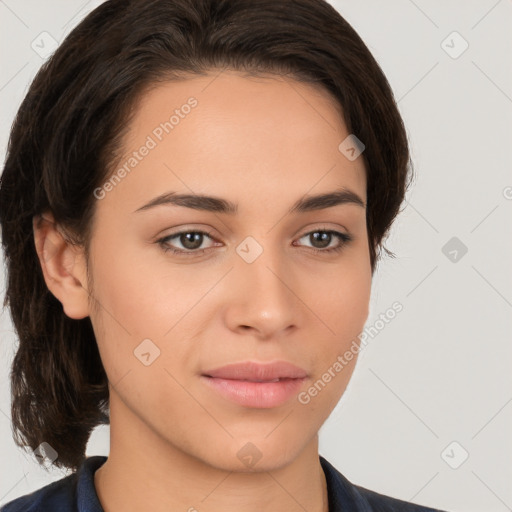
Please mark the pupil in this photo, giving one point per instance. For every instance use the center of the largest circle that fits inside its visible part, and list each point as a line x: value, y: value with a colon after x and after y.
x: 325, y: 238
x: 191, y: 240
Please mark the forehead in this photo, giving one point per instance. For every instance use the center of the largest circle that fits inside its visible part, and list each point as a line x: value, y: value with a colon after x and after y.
x: 228, y: 134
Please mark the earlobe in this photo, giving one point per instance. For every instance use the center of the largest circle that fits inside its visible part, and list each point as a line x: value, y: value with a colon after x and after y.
x: 63, y: 266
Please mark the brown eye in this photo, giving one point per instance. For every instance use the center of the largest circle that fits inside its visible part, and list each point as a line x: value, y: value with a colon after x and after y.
x: 322, y: 239
x: 190, y: 242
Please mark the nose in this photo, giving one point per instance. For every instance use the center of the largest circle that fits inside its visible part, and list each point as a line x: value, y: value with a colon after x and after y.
x: 264, y: 298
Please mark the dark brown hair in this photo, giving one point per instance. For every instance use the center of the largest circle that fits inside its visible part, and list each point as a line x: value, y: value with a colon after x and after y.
x: 67, y: 134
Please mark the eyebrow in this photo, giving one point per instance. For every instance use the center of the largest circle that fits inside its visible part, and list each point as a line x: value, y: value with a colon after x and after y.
x: 219, y: 205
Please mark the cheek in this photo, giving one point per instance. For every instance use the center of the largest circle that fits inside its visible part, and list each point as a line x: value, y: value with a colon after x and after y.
x: 342, y: 301
x: 343, y: 311
x: 144, y: 298
x: 137, y: 302
x: 343, y: 306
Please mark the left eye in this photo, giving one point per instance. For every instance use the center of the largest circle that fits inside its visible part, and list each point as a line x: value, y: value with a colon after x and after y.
x: 326, y: 237
x: 191, y: 241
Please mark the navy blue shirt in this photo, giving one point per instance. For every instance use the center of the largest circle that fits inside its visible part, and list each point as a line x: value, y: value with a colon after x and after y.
x: 76, y: 493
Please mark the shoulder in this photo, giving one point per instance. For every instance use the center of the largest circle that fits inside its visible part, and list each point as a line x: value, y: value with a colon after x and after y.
x: 382, y: 503
x: 54, y: 496
x: 344, y: 495
x: 68, y: 494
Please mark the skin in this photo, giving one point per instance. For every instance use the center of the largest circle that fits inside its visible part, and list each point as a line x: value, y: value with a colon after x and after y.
x: 262, y: 143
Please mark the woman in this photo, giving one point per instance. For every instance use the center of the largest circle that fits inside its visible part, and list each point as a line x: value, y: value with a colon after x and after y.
x: 193, y: 204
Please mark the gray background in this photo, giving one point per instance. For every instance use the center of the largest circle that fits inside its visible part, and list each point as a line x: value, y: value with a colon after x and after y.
x: 439, y: 373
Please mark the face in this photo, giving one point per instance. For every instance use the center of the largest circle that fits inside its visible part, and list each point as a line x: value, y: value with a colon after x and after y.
x: 186, y: 287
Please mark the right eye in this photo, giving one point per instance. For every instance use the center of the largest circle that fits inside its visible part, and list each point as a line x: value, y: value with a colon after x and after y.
x: 189, y: 240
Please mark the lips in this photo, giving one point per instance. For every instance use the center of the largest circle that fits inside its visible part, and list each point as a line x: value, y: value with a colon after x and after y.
x: 258, y: 372
x: 256, y: 385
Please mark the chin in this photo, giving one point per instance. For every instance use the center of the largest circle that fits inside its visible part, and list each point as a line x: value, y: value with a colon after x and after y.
x: 255, y: 454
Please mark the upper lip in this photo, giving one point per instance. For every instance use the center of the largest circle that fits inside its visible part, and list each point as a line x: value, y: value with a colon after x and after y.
x: 258, y: 372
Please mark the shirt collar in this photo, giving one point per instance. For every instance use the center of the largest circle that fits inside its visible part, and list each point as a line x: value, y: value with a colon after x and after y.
x: 87, y: 498
x: 342, y: 494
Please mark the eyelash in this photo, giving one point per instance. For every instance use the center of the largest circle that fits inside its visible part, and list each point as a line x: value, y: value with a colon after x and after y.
x: 344, y: 239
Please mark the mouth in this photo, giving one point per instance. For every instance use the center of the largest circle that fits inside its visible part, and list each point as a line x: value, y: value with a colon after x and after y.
x: 256, y: 385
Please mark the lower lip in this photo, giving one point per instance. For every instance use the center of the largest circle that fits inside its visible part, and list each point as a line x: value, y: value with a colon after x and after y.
x: 260, y: 395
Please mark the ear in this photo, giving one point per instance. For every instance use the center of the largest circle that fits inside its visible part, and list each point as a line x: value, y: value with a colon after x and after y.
x: 63, y: 265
